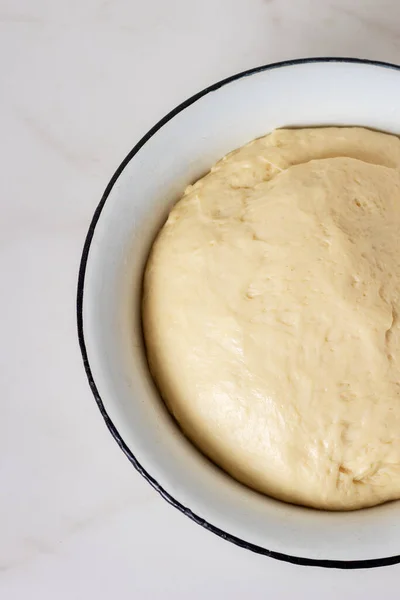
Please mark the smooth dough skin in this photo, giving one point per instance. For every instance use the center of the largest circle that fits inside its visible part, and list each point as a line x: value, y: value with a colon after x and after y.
x: 272, y: 319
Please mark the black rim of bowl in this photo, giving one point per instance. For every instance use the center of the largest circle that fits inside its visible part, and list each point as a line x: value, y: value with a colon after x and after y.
x: 338, y: 564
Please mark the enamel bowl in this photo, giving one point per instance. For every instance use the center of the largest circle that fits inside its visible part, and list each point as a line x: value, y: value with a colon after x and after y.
x: 176, y: 152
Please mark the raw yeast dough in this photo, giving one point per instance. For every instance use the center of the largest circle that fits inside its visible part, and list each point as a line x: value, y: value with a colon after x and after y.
x: 271, y: 315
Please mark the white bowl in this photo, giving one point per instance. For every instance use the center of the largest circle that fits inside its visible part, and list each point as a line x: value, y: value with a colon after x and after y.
x: 177, y: 151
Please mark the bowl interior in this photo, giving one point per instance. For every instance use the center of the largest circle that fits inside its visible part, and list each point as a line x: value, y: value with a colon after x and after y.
x: 135, y: 205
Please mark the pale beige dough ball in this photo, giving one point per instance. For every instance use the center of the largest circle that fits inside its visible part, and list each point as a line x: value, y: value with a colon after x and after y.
x: 272, y: 320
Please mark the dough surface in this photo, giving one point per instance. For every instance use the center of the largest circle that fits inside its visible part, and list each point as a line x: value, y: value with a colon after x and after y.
x: 272, y: 320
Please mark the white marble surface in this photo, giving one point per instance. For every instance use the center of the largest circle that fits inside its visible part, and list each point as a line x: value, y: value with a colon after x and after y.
x: 81, y: 81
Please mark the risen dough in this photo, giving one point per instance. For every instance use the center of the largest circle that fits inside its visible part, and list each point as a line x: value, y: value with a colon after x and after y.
x: 270, y: 312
